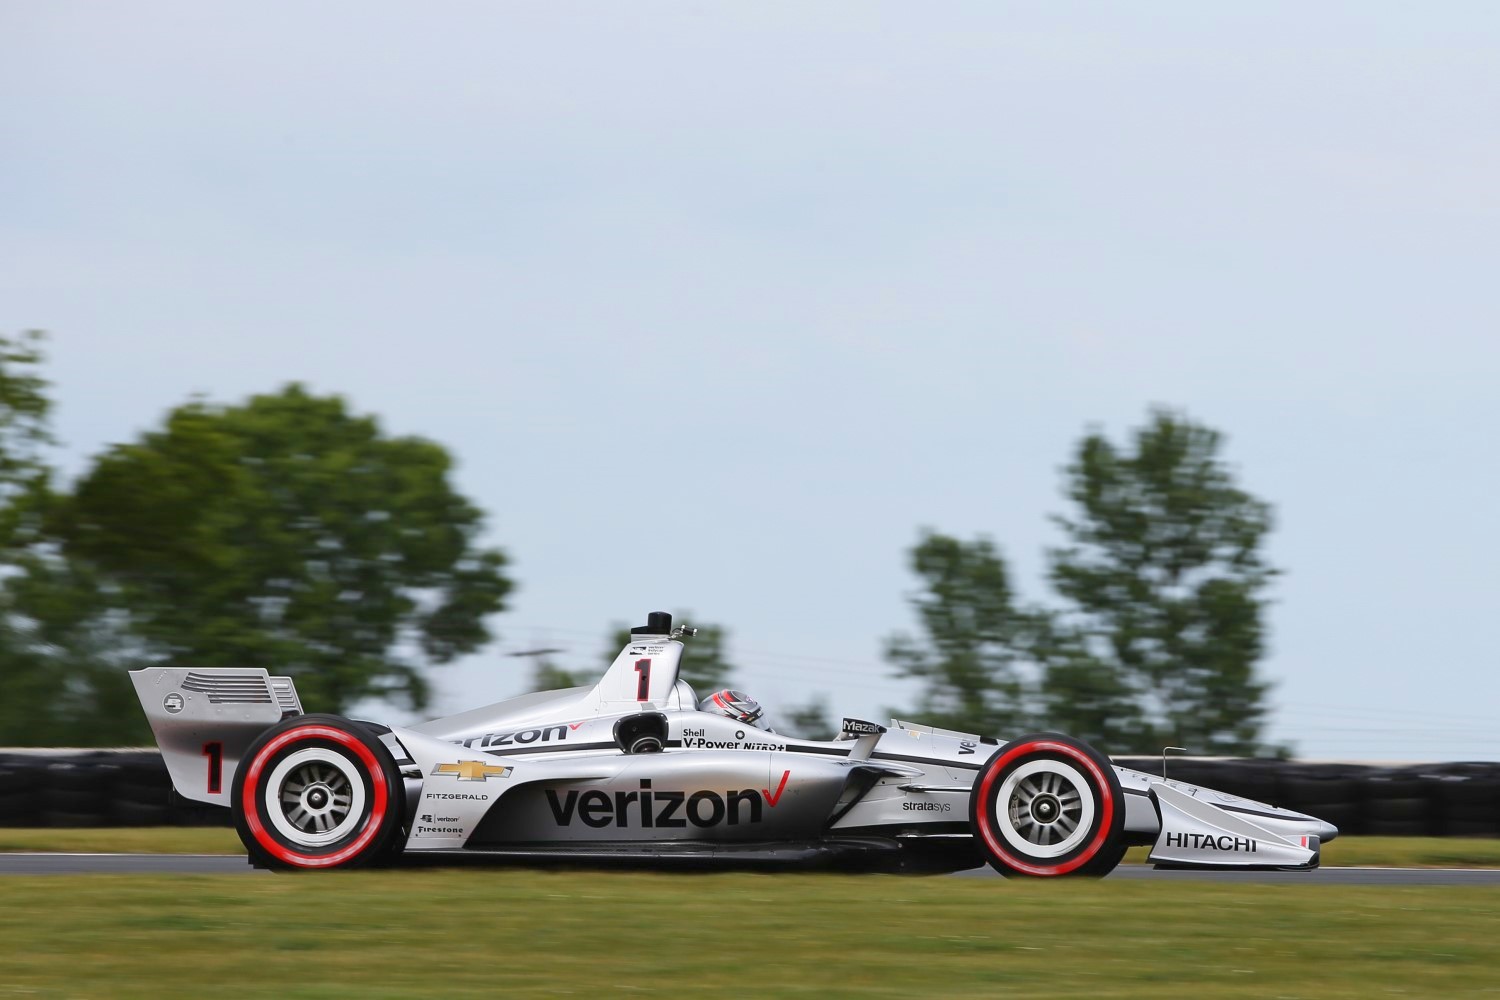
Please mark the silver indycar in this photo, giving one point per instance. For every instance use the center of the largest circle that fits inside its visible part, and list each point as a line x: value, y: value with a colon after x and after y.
x: 636, y: 769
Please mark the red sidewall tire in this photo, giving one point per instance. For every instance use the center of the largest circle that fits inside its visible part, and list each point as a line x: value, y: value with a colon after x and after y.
x: 1101, y: 841
x: 341, y: 744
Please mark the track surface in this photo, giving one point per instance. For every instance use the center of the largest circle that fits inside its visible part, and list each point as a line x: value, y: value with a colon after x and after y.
x: 218, y: 864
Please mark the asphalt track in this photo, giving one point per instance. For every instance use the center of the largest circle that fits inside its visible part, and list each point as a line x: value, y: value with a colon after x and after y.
x: 219, y: 864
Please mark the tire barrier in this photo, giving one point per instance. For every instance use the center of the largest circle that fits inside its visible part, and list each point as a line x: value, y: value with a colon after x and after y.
x: 1427, y: 800
x: 83, y: 788
x: 95, y: 788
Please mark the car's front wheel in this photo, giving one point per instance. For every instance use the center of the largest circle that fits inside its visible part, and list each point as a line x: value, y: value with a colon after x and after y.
x: 317, y: 791
x: 1048, y: 805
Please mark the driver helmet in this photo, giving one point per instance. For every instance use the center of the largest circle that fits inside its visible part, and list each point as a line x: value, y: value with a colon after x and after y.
x: 737, y: 705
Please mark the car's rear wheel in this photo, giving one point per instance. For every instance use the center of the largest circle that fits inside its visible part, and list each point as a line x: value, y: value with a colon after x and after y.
x: 317, y: 791
x: 1047, y: 805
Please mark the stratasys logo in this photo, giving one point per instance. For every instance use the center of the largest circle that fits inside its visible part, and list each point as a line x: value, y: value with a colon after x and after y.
x: 927, y: 807
x: 649, y: 808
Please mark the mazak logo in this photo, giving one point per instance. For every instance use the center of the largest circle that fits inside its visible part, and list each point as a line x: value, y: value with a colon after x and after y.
x: 649, y: 809
x: 521, y: 737
x: 473, y: 770
x: 1210, y: 842
x: 926, y: 807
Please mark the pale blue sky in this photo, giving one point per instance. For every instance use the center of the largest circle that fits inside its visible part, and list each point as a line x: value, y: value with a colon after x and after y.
x: 717, y: 304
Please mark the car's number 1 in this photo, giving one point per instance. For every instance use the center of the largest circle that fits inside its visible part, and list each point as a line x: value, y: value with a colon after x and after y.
x: 215, y: 753
x: 643, y: 681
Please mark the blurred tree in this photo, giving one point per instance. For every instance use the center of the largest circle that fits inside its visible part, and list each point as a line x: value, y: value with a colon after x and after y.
x: 64, y: 681
x: 810, y: 720
x: 704, y: 663
x: 24, y: 434
x: 1164, y: 576
x: 290, y: 534
x: 546, y: 675
x: 977, y: 642
x: 1084, y: 697
x: 59, y: 682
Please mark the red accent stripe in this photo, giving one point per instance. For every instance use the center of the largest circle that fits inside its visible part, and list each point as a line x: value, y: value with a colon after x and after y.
x: 1106, y: 810
x: 251, y: 805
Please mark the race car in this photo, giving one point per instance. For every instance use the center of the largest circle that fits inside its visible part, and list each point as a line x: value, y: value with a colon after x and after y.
x: 636, y: 768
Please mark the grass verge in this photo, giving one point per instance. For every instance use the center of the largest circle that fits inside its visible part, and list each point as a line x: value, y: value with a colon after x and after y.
x: 125, y: 840
x: 486, y: 932
x: 1396, y: 852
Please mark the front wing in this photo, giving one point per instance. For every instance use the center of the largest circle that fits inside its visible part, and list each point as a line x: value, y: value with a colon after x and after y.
x: 1198, y: 834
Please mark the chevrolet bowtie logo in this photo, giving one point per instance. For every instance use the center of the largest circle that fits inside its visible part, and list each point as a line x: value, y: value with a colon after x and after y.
x: 473, y: 770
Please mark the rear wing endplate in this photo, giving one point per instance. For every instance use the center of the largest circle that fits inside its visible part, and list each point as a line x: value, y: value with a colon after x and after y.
x: 204, y: 719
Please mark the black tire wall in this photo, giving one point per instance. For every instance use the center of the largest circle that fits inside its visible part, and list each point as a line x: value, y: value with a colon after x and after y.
x: 96, y: 788
x: 1432, y: 800
x: 131, y: 788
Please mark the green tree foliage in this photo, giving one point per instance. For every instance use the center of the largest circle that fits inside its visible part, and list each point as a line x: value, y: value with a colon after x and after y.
x: 286, y: 533
x: 24, y: 411
x: 59, y: 653
x: 975, y: 649
x: 547, y: 675
x: 705, y: 664
x: 64, y: 679
x: 1164, y: 579
x: 1161, y: 624
x: 811, y: 721
x: 1085, y: 697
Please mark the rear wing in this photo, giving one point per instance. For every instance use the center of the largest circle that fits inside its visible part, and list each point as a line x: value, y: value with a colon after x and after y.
x: 204, y: 719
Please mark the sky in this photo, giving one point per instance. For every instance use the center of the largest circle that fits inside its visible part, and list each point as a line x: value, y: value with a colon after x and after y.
x: 718, y: 305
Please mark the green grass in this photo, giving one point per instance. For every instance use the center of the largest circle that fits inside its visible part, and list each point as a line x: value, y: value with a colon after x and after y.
x: 497, y: 932
x: 1391, y: 852
x: 146, y: 840
x: 1397, y: 852
x: 1414, y: 852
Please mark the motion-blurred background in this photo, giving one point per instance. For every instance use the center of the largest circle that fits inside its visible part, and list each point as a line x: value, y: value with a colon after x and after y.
x: 1123, y: 371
